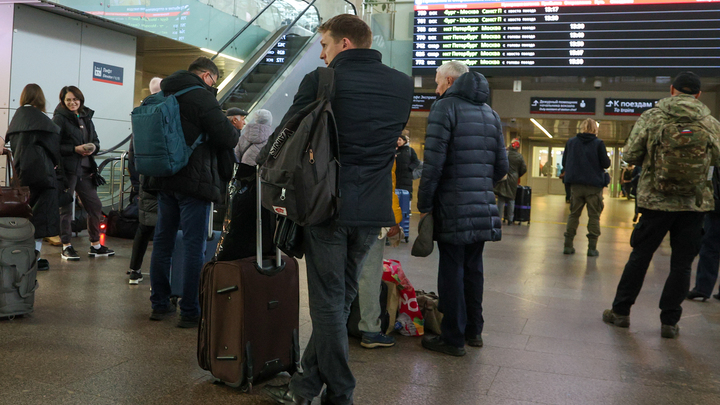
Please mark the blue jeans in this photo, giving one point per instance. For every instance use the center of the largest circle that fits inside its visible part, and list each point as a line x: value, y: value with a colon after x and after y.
x: 175, y: 209
x: 334, y: 256
x: 460, y: 284
x: 707, y: 267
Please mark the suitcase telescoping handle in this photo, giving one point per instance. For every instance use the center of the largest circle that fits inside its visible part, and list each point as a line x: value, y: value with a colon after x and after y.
x: 266, y: 267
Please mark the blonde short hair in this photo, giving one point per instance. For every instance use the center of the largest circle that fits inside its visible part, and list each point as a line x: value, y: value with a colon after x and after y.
x: 589, y: 126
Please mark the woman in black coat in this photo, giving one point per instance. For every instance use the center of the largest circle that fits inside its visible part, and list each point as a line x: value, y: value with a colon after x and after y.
x: 406, y: 162
x: 78, y: 144
x: 35, y: 142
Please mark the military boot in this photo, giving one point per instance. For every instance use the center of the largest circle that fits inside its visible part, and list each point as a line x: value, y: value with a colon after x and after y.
x: 592, y: 247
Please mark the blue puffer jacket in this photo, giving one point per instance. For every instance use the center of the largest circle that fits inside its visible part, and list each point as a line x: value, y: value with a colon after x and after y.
x: 464, y: 157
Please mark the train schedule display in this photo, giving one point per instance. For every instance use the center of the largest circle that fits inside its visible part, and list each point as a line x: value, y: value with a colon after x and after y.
x: 569, y: 37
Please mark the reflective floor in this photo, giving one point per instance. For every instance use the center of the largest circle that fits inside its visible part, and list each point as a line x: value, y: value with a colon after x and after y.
x: 89, y: 340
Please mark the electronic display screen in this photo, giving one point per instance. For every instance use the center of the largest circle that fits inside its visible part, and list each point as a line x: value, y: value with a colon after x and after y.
x: 569, y: 37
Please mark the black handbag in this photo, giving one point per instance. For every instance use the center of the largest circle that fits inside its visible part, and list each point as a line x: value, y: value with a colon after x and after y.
x: 14, y: 198
x: 98, y: 179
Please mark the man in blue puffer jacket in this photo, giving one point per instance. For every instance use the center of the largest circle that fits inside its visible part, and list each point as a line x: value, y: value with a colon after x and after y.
x: 464, y: 157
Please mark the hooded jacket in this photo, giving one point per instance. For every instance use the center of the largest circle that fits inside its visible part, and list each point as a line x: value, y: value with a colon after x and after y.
x: 71, y: 136
x: 35, y: 142
x: 508, y: 187
x: 464, y: 158
x: 210, y: 165
x: 585, y: 160
x: 371, y: 106
x: 639, y: 151
x: 407, y: 161
x: 254, y: 137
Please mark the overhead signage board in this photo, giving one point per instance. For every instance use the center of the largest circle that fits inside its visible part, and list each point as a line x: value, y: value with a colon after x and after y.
x: 562, y: 105
x: 628, y: 106
x: 423, y: 101
x: 107, y: 73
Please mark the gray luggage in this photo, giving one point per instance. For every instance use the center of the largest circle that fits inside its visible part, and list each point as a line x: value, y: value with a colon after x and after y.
x: 18, y: 267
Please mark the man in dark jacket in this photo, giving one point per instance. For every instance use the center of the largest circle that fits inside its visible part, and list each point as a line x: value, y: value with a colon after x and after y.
x: 506, y: 188
x: 709, y: 262
x: 406, y: 162
x: 464, y: 158
x: 585, y: 160
x: 371, y: 105
x: 184, y: 198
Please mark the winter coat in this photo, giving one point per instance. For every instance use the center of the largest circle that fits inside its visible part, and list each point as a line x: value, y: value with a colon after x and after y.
x: 639, y: 150
x: 464, y: 157
x: 147, y: 200
x: 209, y: 168
x: 407, y: 161
x: 254, y: 137
x: 371, y: 106
x: 585, y: 160
x: 35, y: 142
x: 508, y: 187
x: 71, y: 135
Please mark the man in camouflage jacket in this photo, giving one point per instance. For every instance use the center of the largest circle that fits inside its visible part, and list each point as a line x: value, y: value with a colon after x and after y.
x: 681, y: 215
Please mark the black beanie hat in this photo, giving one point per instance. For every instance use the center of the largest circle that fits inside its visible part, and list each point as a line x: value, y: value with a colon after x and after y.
x: 687, y: 82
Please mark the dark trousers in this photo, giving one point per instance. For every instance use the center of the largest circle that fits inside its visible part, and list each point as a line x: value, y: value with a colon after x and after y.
x: 707, y: 267
x: 143, y: 236
x: 334, y: 256
x: 460, y: 284
x: 87, y: 192
x: 685, y: 229
x: 175, y: 209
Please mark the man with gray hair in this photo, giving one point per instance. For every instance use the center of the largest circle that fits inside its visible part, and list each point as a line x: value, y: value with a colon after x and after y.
x: 447, y: 74
x: 154, y: 85
x: 464, y: 158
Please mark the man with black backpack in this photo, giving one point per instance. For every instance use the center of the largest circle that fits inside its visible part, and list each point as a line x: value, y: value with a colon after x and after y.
x: 184, y: 198
x: 371, y: 106
x: 677, y: 144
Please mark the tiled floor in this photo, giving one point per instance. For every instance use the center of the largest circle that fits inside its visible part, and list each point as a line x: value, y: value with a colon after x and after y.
x: 90, y: 341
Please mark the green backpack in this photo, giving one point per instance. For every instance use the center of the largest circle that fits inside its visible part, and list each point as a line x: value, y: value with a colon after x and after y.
x: 681, y: 159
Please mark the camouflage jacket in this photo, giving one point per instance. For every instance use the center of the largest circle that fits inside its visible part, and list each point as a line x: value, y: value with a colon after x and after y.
x: 640, y: 148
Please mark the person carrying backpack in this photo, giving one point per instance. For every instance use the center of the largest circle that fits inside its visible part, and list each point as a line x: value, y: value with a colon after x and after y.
x: 677, y: 143
x: 184, y: 197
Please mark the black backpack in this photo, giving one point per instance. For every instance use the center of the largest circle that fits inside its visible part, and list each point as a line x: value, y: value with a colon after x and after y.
x: 300, y: 175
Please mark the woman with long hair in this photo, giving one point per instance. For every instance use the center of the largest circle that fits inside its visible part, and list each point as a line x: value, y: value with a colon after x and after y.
x: 78, y: 144
x: 35, y: 143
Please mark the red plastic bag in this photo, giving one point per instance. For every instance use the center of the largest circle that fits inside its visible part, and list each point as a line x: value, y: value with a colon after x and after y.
x: 409, y: 321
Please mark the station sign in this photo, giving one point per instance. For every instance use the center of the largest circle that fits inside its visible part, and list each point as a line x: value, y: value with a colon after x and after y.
x: 423, y: 101
x: 562, y: 105
x: 107, y: 73
x: 628, y: 106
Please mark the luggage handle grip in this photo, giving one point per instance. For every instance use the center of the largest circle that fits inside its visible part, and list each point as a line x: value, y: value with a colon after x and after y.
x: 265, y: 267
x: 227, y: 290
x: 226, y: 358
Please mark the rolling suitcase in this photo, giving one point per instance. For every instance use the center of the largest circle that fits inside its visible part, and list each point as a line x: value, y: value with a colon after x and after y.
x: 523, y: 198
x: 18, y: 267
x: 249, y: 316
x: 176, y: 266
x: 404, y: 197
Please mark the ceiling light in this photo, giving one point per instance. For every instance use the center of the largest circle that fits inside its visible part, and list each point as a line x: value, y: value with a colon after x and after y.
x: 222, y: 54
x: 537, y: 124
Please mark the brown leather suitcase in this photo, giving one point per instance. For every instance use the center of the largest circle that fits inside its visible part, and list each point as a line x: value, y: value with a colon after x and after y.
x: 249, y: 318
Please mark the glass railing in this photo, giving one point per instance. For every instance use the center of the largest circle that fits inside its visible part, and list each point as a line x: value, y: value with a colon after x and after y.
x: 392, y: 26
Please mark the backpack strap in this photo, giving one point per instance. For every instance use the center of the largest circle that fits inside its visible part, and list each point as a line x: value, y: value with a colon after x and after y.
x: 326, y: 84
x: 183, y: 91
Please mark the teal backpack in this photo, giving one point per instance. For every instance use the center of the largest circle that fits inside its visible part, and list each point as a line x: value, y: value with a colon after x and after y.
x: 158, y: 139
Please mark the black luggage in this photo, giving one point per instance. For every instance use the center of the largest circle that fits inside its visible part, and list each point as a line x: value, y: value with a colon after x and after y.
x: 120, y: 226
x: 249, y: 316
x: 523, y: 197
x: 18, y: 267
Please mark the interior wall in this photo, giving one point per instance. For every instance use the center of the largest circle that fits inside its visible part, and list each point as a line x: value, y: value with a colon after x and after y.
x: 6, y: 32
x: 55, y: 51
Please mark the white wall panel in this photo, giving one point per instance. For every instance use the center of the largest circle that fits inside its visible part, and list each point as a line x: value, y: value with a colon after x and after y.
x: 6, y: 37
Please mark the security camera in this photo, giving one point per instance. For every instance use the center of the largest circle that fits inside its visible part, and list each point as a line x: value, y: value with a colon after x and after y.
x: 513, y: 120
x: 597, y: 84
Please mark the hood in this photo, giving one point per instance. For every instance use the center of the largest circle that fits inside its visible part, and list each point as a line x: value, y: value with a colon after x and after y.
x: 183, y: 79
x: 62, y: 110
x: 356, y: 55
x: 684, y: 106
x: 471, y: 86
x: 256, y: 133
x: 29, y: 118
x: 586, y: 138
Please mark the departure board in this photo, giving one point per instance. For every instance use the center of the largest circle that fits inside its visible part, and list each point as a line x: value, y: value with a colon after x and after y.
x: 570, y: 37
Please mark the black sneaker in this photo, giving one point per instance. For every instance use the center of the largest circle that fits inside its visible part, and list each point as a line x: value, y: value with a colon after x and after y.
x: 44, y: 265
x: 69, y: 253
x: 135, y: 277
x: 103, y: 251
x: 162, y: 313
x: 436, y: 344
x: 188, y: 321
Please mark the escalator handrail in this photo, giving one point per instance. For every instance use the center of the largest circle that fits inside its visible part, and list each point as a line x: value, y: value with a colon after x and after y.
x: 249, y: 23
x: 114, y: 148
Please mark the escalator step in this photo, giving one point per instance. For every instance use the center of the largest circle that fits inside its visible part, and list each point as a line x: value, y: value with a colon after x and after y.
x: 260, y: 77
x: 270, y: 69
x: 254, y: 87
